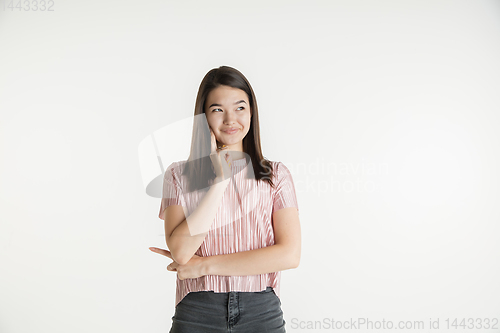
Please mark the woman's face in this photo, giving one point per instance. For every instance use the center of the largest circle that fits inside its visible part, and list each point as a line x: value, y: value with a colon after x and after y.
x: 228, y: 108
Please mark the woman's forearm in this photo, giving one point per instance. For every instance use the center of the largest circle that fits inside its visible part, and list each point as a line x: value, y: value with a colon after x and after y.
x: 187, y: 237
x: 264, y: 260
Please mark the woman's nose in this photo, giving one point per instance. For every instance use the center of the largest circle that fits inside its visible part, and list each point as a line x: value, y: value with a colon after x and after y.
x: 230, y: 118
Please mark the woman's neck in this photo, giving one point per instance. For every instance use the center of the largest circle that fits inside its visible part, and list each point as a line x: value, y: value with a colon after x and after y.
x: 237, y: 155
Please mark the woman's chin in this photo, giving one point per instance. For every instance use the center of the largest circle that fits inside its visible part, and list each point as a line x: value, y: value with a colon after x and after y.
x: 227, y: 143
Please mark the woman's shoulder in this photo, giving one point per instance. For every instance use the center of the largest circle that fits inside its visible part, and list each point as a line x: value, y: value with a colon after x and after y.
x: 280, y: 170
x: 177, y: 164
x: 278, y: 165
x: 176, y: 167
x: 273, y: 163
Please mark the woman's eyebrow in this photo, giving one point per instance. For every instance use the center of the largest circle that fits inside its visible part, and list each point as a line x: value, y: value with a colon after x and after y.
x: 215, y: 104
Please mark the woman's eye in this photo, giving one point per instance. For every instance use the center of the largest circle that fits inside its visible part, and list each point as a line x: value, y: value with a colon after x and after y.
x: 241, y: 107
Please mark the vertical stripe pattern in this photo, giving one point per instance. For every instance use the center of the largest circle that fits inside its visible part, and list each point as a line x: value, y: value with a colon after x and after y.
x: 243, y: 222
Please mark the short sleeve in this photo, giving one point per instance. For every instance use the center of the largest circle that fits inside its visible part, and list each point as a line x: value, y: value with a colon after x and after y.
x: 171, y: 190
x: 284, y: 192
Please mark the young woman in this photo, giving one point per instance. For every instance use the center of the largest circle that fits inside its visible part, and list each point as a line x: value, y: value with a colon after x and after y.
x: 231, y: 217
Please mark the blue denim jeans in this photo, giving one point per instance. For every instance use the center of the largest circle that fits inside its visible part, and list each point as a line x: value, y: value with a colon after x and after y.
x: 237, y: 312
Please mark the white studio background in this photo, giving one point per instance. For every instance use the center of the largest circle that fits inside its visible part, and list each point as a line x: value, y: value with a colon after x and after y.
x: 385, y: 112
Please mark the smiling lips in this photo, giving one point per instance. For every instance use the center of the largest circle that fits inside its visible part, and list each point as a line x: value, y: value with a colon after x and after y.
x: 231, y: 130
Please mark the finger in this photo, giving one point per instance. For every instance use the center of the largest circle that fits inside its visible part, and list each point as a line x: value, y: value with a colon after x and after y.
x: 213, y: 141
x: 160, y: 251
x: 223, y: 147
x: 163, y: 252
x: 219, y: 161
x: 228, y: 158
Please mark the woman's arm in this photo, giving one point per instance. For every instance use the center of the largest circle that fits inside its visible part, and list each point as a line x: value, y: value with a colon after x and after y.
x: 184, y: 238
x: 269, y: 259
x: 185, y: 235
x: 284, y: 254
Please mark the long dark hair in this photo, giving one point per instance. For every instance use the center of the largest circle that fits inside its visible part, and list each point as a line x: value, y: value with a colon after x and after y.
x: 199, y: 167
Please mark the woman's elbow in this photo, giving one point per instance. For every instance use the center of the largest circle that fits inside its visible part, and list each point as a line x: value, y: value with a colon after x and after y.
x: 294, y: 260
x: 176, y: 254
x: 179, y: 258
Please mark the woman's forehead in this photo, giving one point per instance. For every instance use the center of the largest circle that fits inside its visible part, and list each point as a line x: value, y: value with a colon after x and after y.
x: 222, y: 96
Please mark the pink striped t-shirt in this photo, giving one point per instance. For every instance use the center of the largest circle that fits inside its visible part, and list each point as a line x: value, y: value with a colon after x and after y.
x: 243, y: 222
